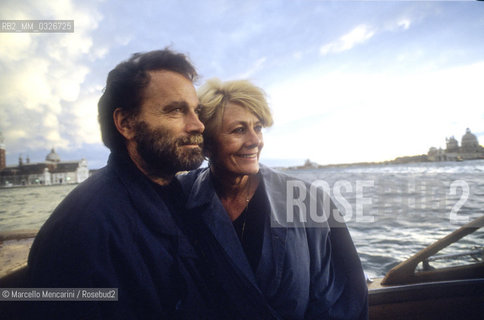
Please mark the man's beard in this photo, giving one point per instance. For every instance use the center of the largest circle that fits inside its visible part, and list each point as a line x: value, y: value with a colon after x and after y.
x: 163, y: 154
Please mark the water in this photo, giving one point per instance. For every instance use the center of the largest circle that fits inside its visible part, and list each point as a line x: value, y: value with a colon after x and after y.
x: 29, y: 207
x: 411, y: 206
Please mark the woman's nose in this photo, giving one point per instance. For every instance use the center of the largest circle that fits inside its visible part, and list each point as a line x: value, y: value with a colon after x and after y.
x: 253, y: 139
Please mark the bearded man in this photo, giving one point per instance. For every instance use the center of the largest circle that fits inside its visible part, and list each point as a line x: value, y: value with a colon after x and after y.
x: 119, y: 228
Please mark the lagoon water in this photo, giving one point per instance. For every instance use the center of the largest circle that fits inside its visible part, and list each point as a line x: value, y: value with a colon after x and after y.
x: 392, y: 211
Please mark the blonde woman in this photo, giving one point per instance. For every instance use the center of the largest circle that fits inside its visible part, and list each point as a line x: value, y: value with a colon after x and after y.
x: 267, y: 262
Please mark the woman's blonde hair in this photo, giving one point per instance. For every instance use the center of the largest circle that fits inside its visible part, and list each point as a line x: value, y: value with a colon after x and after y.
x: 214, y: 96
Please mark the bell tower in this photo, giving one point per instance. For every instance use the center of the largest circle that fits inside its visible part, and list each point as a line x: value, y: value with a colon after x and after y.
x: 3, y: 161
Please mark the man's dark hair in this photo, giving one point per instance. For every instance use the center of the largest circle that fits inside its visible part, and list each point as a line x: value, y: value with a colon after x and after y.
x: 125, y: 85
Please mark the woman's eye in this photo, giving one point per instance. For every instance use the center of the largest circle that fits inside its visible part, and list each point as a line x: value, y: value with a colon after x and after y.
x: 258, y: 128
x: 239, y: 130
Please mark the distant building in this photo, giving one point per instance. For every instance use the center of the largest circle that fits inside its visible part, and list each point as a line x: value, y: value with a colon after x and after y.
x: 435, y: 154
x: 452, y: 144
x: 3, y: 160
x: 470, y: 144
x: 468, y: 150
x: 309, y: 164
x: 51, y: 171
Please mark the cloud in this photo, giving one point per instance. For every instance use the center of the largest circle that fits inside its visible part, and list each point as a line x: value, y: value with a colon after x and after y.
x: 84, y: 110
x: 361, y: 34
x: 358, y: 35
x: 253, y: 69
x: 123, y: 39
x: 404, y: 24
x: 351, y: 117
x: 42, y: 74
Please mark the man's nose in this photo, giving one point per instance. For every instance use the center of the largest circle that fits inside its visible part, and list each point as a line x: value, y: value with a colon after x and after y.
x: 193, y: 123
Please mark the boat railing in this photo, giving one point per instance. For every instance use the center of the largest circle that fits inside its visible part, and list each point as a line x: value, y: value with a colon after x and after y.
x: 406, y: 272
x: 477, y: 254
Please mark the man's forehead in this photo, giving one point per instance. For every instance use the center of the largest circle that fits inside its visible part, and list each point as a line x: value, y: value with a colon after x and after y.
x: 168, y: 78
x: 170, y: 85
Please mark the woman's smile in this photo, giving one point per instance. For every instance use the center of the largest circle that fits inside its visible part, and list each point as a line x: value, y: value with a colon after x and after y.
x: 247, y: 155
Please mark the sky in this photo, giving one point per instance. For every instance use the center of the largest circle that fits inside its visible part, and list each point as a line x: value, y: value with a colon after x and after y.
x: 346, y: 81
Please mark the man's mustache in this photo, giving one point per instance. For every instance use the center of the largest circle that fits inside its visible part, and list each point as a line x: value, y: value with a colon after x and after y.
x: 191, y: 139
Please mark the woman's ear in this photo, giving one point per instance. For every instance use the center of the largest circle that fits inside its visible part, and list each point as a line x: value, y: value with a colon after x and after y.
x: 124, y: 123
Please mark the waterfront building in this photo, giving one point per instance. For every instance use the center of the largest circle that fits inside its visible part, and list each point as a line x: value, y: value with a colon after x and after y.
x: 469, y: 143
x: 469, y: 149
x: 435, y: 154
x: 452, y: 144
x: 51, y: 171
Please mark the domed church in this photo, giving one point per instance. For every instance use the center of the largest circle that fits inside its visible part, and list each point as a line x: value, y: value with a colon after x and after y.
x: 51, y: 171
x: 469, y: 149
x: 52, y: 156
x: 469, y: 142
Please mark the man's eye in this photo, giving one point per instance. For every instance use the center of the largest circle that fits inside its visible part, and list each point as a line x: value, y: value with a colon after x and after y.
x: 177, y: 110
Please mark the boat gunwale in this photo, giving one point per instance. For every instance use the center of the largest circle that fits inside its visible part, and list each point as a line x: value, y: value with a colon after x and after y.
x: 426, y: 290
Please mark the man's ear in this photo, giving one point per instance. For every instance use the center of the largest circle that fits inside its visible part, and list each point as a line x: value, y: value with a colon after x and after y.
x: 124, y: 123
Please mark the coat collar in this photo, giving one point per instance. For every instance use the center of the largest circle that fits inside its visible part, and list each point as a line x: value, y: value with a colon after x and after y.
x: 204, y: 200
x: 143, y: 195
x: 202, y: 191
